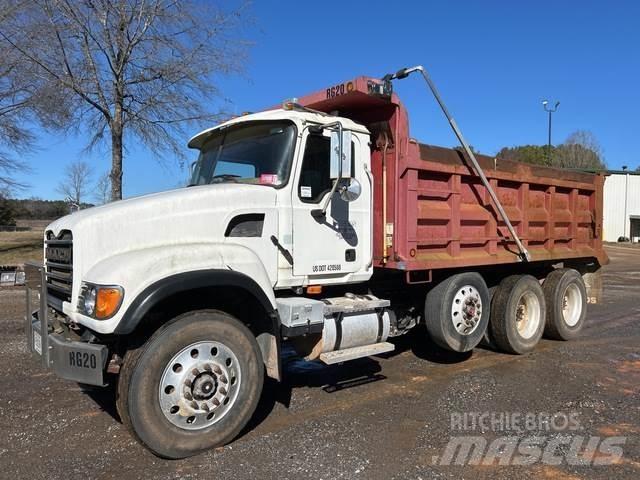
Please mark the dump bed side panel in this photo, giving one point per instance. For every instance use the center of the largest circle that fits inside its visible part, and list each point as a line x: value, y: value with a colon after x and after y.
x: 449, y: 220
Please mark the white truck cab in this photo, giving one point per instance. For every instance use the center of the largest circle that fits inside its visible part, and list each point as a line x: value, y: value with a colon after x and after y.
x: 335, y: 249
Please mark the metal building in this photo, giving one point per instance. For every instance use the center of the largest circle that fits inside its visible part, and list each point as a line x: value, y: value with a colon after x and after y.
x: 622, y: 206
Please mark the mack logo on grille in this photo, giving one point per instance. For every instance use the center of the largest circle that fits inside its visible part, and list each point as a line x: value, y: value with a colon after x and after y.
x: 60, y: 255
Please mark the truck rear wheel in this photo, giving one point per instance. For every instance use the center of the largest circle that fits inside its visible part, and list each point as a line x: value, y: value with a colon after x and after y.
x: 517, y: 314
x: 193, y: 385
x: 566, y: 297
x: 457, y: 312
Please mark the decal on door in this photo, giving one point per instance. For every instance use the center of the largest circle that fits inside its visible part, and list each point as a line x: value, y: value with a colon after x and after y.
x: 326, y: 268
x: 305, y: 192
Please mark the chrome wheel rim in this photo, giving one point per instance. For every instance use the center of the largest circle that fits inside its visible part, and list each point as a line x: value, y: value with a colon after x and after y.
x: 199, y: 385
x: 466, y: 310
x: 528, y: 315
x: 571, y: 305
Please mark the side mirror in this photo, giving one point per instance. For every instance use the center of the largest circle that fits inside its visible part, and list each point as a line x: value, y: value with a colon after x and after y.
x: 340, y: 160
x: 352, y: 191
x: 339, y: 163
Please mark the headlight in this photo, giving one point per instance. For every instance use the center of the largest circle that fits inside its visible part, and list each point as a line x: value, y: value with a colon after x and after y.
x: 101, y: 301
x: 90, y: 301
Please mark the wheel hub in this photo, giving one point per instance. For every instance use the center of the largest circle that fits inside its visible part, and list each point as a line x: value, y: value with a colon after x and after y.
x: 199, y: 385
x: 528, y: 315
x: 572, y: 305
x: 204, y: 386
x: 466, y: 310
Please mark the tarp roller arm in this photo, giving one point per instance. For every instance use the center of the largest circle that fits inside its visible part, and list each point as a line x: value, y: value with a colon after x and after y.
x: 405, y: 72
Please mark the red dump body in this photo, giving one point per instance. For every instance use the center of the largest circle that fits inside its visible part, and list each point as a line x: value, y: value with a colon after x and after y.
x: 438, y: 212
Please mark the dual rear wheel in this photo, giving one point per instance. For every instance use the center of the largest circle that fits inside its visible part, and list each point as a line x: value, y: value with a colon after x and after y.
x: 566, y: 297
x: 518, y: 312
x: 457, y: 311
x: 460, y: 311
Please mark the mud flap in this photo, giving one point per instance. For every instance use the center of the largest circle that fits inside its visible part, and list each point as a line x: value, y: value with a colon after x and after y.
x: 594, y: 285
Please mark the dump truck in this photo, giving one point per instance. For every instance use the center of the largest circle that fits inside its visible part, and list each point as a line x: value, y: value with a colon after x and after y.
x: 320, y: 224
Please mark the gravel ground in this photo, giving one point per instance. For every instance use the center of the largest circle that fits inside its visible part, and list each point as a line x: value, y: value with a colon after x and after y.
x: 386, y: 417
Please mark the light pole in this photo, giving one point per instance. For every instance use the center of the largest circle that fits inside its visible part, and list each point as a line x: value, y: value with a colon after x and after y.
x: 550, y: 110
x: 626, y: 196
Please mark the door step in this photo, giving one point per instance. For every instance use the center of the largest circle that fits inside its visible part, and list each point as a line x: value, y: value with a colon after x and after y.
x: 356, y: 352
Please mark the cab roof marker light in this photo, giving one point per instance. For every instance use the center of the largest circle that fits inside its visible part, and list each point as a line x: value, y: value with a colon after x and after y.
x: 292, y: 104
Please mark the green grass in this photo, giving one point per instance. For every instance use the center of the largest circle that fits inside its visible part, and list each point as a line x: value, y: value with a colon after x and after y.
x: 19, y: 247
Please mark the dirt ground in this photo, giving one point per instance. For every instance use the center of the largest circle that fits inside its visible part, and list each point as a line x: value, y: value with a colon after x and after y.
x: 388, y: 417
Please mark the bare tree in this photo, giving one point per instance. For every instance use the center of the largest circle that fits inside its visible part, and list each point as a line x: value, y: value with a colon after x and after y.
x: 581, y: 150
x: 14, y: 100
x: 103, y: 189
x: 141, y: 69
x: 25, y: 97
x: 76, y: 182
x: 14, y: 136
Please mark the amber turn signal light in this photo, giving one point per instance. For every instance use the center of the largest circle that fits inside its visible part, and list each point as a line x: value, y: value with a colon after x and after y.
x: 108, y: 301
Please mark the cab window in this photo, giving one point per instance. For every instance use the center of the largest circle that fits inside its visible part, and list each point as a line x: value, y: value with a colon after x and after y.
x: 315, y: 181
x: 314, y: 177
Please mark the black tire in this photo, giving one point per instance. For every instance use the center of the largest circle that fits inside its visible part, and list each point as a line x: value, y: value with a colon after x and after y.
x: 564, y: 286
x: 506, y: 307
x: 439, y: 318
x: 138, y: 395
x: 487, y: 340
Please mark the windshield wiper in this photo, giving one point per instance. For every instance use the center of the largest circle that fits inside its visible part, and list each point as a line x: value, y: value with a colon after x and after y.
x: 224, y: 177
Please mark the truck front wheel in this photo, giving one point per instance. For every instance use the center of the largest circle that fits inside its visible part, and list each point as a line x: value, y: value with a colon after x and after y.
x: 193, y: 385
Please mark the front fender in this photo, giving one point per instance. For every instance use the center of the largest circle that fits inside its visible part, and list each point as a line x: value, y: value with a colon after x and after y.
x: 205, y: 264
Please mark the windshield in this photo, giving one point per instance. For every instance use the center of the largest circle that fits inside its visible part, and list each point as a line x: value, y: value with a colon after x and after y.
x: 258, y: 153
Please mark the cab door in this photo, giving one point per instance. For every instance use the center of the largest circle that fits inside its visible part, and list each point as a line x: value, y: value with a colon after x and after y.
x: 337, y: 244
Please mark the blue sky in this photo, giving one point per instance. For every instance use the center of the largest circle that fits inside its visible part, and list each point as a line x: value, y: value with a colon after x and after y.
x: 493, y: 61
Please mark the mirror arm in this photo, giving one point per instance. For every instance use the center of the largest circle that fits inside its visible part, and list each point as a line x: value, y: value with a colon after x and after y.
x: 322, y: 212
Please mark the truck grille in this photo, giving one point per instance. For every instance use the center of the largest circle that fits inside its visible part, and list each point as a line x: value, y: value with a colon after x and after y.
x: 59, y: 267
